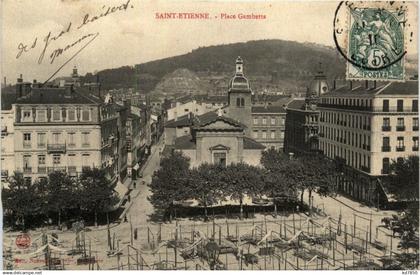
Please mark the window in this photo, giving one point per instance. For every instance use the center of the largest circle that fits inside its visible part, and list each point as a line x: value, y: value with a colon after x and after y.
x: 255, y: 120
x: 186, y: 110
x: 282, y: 134
x: 242, y: 102
x: 282, y: 121
x: 415, y: 123
x: 264, y: 134
x: 26, y: 140
x: 238, y: 102
x: 41, y: 160
x: 386, y: 122
x: 415, y: 143
x: 56, y: 159
x: 85, y: 160
x: 400, y: 124
x: 400, y: 144
x: 41, y: 116
x: 273, y: 134
x: 41, y: 140
x: 71, y: 160
x: 56, y: 114
x: 71, y: 114
x: 385, y: 144
x: 415, y: 107
x: 56, y: 138
x: 219, y: 158
x: 86, y: 115
x: 385, y: 105
x: 273, y: 121
x: 71, y: 139
x: 400, y: 105
x: 264, y: 121
x: 255, y: 134
x: 85, y: 139
x: 26, y: 115
x: 385, y: 165
x: 26, y: 163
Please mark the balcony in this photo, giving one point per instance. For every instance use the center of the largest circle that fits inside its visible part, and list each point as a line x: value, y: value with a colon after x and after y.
x: 56, y: 168
x: 56, y: 148
x: 386, y: 148
x: 400, y: 148
x: 415, y: 148
x: 27, y: 170
x: 42, y: 170
x: 365, y: 169
x: 386, y: 128
x: 400, y: 128
x: 415, y: 128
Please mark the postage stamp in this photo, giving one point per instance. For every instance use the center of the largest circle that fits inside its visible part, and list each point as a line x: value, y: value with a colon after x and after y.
x: 373, y: 40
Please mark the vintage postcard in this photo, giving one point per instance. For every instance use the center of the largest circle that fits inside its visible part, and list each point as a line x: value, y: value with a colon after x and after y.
x: 209, y: 135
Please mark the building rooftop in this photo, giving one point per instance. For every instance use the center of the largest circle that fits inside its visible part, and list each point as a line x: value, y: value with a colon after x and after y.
x: 268, y: 109
x: 251, y: 144
x: 57, y: 96
x: 410, y: 87
x: 296, y: 104
x: 182, y: 121
x: 187, y: 143
x: 210, y: 117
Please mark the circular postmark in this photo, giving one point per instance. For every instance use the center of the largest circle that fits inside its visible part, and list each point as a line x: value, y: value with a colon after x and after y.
x: 370, y: 35
x: 23, y: 241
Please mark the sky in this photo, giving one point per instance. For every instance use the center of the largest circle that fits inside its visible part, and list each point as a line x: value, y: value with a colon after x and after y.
x: 131, y: 36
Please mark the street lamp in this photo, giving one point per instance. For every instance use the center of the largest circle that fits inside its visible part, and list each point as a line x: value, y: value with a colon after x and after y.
x: 212, y: 250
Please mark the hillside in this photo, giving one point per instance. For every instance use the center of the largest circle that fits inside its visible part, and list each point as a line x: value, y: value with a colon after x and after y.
x: 292, y: 61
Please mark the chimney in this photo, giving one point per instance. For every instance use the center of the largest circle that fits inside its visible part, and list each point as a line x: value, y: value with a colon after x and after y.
x: 98, y: 85
x: 19, y: 86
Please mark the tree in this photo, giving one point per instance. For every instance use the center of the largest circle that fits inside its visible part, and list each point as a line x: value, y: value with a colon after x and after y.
x: 405, y: 179
x: 169, y: 183
x: 61, y: 193
x: 206, y: 186
x: 242, y: 179
x: 96, y: 191
x: 22, y: 198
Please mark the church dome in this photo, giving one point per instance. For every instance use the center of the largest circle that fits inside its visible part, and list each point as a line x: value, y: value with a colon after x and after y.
x: 318, y: 86
x: 239, y: 81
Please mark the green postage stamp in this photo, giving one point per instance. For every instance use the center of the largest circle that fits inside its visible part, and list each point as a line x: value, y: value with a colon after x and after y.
x: 372, y: 38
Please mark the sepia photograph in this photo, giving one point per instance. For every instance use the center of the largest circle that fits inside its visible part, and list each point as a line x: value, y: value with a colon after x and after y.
x: 235, y: 135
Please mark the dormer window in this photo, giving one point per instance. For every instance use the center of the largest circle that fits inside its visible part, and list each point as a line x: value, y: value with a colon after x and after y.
x: 71, y: 114
x: 56, y: 114
x: 85, y: 115
x: 26, y: 115
x: 41, y: 115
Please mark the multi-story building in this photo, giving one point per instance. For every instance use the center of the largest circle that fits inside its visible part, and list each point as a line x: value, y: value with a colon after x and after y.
x: 268, y: 125
x: 186, y: 105
x: 67, y: 130
x: 366, y: 128
x: 302, y: 118
x: 7, y: 142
